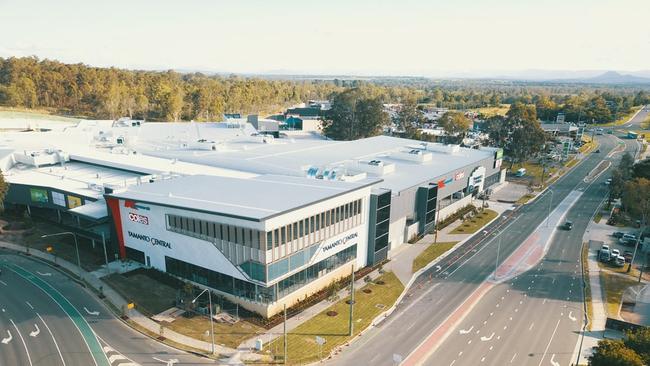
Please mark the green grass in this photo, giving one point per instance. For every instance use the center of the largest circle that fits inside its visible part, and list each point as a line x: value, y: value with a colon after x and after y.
x: 198, y: 327
x: 585, y: 272
x: 598, y: 216
x: 432, y: 252
x: 42, y: 114
x: 623, y: 119
x: 614, y: 286
x: 534, y: 170
x: 571, y: 163
x: 501, y: 110
x: 472, y: 225
x: 525, y: 198
x: 302, y: 347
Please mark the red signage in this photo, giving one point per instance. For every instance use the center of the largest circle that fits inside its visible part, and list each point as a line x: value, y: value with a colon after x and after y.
x: 140, y: 219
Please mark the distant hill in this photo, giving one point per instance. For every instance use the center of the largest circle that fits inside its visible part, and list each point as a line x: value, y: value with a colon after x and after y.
x: 613, y: 77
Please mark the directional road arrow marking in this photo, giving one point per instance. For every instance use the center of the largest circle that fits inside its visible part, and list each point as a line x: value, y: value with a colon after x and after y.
x: 8, y: 339
x: 485, y: 339
x: 465, y: 331
x: 47, y: 274
x: 170, y: 362
x: 553, y: 362
x: 573, y: 318
x: 95, y: 313
x: 36, y: 332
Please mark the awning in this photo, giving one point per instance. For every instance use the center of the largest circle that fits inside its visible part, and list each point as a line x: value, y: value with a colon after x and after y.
x: 94, y: 210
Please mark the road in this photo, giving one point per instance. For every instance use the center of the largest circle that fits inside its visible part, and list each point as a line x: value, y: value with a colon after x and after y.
x: 635, y: 123
x: 437, y: 294
x: 74, y: 326
x: 535, y: 318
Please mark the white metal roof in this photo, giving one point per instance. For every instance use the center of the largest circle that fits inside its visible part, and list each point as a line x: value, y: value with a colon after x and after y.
x: 255, y: 198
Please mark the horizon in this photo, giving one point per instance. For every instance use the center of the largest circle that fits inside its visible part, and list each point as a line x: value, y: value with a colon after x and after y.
x: 500, y: 38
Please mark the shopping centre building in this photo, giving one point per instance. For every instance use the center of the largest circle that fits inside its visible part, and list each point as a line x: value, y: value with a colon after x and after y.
x: 264, y: 221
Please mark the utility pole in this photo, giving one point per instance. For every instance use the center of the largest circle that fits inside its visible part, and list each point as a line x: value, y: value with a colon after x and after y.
x: 108, y: 271
x: 351, y: 329
x: 285, y: 334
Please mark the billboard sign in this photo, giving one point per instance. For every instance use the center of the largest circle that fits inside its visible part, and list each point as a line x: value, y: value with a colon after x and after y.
x: 38, y: 195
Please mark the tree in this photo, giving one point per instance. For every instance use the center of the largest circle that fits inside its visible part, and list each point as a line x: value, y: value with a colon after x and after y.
x: 614, y: 353
x: 625, y: 166
x: 641, y: 169
x: 526, y: 141
x: 455, y: 125
x: 4, y: 187
x: 354, y: 115
x: 636, y: 198
x: 639, y: 341
x: 520, y: 111
x: 409, y: 117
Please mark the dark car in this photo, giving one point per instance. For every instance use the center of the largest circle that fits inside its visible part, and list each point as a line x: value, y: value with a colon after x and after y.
x: 568, y: 225
x: 618, y: 234
x: 628, y: 256
x: 597, y: 151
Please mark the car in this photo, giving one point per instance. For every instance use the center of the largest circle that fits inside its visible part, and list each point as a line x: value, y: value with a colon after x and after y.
x: 568, y: 225
x: 608, y: 181
x: 604, y: 254
x: 615, y: 253
x: 618, y: 261
x: 628, y: 256
x: 627, y: 239
x: 597, y: 151
x: 618, y: 234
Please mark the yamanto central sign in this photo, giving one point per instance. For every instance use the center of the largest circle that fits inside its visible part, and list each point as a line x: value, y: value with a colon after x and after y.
x: 148, y: 239
x: 338, y: 242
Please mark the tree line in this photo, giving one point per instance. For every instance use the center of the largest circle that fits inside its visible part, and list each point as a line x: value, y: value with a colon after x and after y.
x: 95, y: 92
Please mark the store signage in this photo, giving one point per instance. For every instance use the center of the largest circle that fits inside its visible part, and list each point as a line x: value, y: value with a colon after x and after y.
x: 341, y: 241
x: 459, y: 175
x: 135, y: 206
x: 151, y: 240
x: 140, y: 219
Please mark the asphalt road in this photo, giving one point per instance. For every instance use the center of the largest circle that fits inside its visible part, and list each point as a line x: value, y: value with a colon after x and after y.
x: 635, y: 123
x: 22, y: 301
x: 437, y: 293
x: 536, y: 318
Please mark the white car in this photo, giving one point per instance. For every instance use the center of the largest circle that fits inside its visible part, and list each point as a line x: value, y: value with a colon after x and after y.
x: 616, y: 253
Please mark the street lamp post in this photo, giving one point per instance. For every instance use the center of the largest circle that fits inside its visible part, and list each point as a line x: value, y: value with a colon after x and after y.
x: 76, y: 245
x: 211, y: 320
x: 550, y: 202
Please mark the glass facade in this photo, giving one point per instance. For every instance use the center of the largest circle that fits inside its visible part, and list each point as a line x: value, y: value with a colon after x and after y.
x: 254, y: 292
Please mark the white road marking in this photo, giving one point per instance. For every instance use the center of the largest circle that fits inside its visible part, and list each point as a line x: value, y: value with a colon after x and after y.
x: 113, y: 358
x: 167, y: 362
x: 30, y: 305
x: 531, y: 326
x: 452, y: 363
x: 485, y: 339
x: 46, y: 274
x: 8, y: 339
x: 573, y: 318
x: 460, y: 353
x: 3, y: 282
x: 29, y: 358
x: 463, y: 331
x: 35, y: 332
x: 482, y: 359
x: 513, y: 358
x: 95, y: 313
x: 53, y: 339
x: 549, y: 342
x: 553, y: 361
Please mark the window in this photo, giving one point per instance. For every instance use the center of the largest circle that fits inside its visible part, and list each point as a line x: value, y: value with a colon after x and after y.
x: 269, y: 240
x: 284, y: 235
x: 295, y: 230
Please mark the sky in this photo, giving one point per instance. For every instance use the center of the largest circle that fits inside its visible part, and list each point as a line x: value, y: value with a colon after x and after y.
x: 334, y: 37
